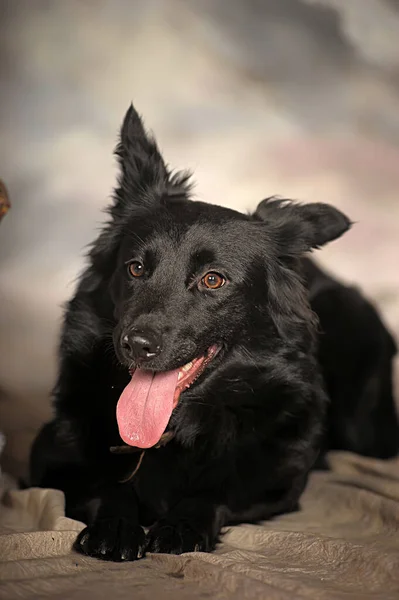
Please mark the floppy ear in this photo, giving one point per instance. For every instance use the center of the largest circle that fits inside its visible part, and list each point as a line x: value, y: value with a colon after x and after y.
x: 298, y: 228
x: 143, y: 169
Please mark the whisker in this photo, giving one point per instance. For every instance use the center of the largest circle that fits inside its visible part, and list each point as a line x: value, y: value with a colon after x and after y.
x: 138, y: 239
x: 247, y: 354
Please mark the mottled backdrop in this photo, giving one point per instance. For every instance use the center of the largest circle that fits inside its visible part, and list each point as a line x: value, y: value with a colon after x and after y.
x: 259, y: 97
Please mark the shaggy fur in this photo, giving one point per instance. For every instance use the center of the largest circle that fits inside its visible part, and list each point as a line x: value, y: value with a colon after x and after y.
x: 248, y: 431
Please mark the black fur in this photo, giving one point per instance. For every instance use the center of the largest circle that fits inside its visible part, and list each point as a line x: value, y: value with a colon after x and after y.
x: 250, y: 428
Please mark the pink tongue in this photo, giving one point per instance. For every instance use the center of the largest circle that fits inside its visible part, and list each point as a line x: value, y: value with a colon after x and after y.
x: 145, y: 407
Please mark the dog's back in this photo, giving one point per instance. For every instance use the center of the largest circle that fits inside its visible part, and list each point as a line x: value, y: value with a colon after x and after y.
x: 356, y: 353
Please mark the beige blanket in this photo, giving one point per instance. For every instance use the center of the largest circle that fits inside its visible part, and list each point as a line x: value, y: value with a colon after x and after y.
x: 344, y: 543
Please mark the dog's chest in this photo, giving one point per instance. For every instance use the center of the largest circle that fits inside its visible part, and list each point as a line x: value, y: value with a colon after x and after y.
x: 160, y: 481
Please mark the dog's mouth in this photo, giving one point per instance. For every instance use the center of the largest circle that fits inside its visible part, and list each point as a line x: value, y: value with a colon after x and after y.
x: 190, y: 372
x: 146, y: 404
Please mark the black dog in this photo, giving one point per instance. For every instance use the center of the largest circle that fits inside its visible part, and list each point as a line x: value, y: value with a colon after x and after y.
x: 194, y: 324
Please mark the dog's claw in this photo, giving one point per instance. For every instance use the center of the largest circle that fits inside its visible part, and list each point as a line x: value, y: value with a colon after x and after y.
x: 112, y: 539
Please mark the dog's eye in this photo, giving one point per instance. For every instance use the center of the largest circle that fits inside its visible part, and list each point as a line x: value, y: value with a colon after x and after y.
x: 213, y: 281
x: 136, y: 269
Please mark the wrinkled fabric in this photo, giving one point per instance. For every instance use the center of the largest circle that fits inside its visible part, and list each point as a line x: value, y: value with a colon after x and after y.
x: 342, y: 544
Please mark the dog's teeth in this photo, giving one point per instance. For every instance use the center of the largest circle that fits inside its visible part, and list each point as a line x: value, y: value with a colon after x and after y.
x: 184, y: 370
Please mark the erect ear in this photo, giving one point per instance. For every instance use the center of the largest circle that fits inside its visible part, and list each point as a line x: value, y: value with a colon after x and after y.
x: 141, y: 162
x: 143, y: 168
x: 144, y: 182
x: 301, y: 227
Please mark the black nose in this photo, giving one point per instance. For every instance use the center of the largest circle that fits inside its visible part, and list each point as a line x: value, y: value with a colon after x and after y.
x: 141, y: 345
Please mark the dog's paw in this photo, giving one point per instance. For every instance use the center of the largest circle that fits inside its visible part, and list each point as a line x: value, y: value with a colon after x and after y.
x: 176, y: 538
x: 112, y: 539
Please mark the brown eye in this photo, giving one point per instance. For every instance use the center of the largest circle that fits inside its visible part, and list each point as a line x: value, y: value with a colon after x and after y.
x: 213, y: 281
x: 136, y: 269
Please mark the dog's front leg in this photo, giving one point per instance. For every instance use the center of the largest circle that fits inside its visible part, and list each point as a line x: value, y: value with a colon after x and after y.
x: 115, y: 533
x: 193, y: 525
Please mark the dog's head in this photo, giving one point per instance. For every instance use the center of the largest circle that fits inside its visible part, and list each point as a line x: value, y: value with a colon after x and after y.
x: 191, y: 281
